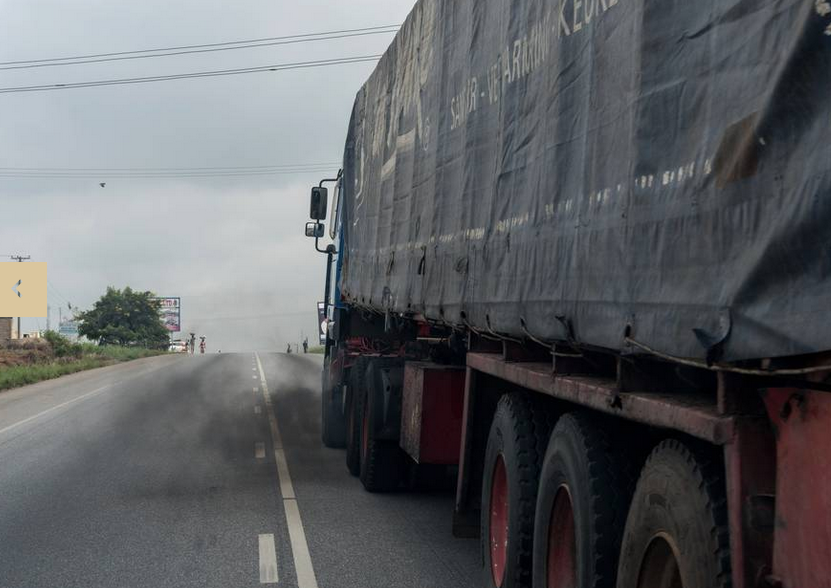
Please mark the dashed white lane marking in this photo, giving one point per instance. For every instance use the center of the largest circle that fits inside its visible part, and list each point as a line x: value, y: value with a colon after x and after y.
x: 297, y: 536
x: 254, y: 377
x: 259, y: 450
x: 256, y: 389
x: 257, y: 409
x: 268, y: 560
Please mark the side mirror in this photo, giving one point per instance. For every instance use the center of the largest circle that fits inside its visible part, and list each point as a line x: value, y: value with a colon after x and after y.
x: 320, y: 198
x: 314, y: 230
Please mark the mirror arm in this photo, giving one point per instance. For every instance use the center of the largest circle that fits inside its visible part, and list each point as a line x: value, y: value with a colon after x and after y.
x: 330, y: 249
x: 317, y: 246
x: 330, y: 180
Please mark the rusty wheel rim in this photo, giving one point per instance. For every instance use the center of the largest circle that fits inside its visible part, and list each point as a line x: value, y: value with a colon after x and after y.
x: 498, y: 513
x: 561, y: 567
x: 659, y: 566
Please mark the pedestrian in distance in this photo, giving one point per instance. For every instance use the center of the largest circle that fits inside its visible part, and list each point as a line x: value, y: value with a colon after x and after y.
x: 306, y: 345
x: 288, y: 349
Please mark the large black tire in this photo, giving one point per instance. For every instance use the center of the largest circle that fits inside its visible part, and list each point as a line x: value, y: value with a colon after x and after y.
x: 676, y: 532
x: 383, y: 462
x: 333, y: 419
x: 355, y: 395
x: 518, y: 438
x: 585, y: 488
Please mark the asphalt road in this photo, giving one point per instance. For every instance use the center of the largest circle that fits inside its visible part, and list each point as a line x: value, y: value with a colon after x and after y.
x: 164, y: 472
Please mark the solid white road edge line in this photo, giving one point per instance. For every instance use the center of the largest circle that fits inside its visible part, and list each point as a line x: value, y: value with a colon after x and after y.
x: 268, y: 560
x: 54, y: 408
x: 297, y: 536
x: 286, y: 488
x: 90, y: 394
x: 299, y: 548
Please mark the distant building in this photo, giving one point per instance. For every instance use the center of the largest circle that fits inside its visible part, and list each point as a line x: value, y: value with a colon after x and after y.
x: 8, y: 328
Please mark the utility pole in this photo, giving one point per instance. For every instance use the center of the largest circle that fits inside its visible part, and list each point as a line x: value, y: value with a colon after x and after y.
x: 48, y: 318
x: 20, y: 258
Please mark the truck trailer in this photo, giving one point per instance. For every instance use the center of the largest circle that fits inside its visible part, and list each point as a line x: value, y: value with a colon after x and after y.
x: 578, y: 256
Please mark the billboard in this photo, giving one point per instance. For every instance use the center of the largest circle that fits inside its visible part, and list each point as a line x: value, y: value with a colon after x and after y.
x: 69, y: 329
x: 170, y: 310
x: 321, y: 321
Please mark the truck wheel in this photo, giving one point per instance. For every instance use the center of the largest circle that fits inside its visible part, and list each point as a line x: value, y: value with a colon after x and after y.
x: 584, y: 493
x: 333, y: 420
x: 676, y: 532
x: 516, y: 444
x: 354, y: 413
x: 383, y: 463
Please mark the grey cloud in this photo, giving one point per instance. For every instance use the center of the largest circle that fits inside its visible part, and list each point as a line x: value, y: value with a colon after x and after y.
x: 231, y: 247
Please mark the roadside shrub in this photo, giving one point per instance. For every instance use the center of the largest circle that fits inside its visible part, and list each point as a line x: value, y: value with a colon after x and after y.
x: 61, y: 346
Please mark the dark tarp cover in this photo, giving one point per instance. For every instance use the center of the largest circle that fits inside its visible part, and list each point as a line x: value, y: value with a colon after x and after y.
x: 588, y: 165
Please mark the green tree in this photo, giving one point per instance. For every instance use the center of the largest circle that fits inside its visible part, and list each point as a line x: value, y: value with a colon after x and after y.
x: 124, y: 317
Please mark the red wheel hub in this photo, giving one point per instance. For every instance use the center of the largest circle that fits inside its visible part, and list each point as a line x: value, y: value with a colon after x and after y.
x: 659, y: 568
x: 561, y: 566
x: 499, y: 521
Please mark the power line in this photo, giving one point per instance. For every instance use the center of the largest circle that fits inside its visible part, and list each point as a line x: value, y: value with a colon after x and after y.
x: 182, y: 47
x: 183, y: 169
x: 99, y: 175
x: 193, y: 51
x: 149, y: 177
x: 88, y: 174
x: 51, y: 286
x: 55, y: 291
x: 199, y: 74
x: 207, y: 172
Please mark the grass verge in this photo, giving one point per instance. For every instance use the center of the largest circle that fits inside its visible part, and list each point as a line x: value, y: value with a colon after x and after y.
x: 46, y: 365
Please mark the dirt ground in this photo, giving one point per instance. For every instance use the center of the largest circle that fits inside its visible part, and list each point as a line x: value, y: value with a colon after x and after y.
x: 24, y: 352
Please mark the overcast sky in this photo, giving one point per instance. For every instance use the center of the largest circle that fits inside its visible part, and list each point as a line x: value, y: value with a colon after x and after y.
x: 232, y: 248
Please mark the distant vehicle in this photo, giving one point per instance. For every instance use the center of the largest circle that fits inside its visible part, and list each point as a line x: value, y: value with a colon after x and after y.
x: 178, y: 346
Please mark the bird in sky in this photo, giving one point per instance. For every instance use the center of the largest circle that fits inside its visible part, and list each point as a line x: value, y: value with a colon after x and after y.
x: 102, y: 184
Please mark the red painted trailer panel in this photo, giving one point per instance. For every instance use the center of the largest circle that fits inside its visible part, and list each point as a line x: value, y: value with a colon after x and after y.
x: 802, y: 541
x: 431, y: 415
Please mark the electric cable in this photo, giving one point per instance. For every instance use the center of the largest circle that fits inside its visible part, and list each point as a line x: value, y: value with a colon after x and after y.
x: 192, y: 75
x: 204, y: 45
x: 144, y: 54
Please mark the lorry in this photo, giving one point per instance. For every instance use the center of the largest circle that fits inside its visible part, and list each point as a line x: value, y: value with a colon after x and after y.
x: 578, y: 255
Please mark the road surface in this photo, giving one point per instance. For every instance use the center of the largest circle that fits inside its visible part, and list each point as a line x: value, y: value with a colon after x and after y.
x: 165, y: 472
